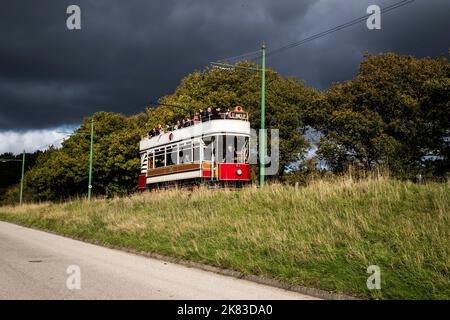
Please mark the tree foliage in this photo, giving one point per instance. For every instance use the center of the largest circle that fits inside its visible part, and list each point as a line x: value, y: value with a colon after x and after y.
x: 10, y: 174
x: 61, y: 173
x: 395, y: 112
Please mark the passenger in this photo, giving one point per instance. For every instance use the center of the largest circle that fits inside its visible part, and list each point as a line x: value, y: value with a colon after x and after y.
x: 216, y: 113
x: 178, y: 125
x: 196, y: 119
x: 231, y: 154
x: 203, y: 115
x: 159, y: 130
x: 228, y: 114
x: 209, y: 114
x: 187, y: 122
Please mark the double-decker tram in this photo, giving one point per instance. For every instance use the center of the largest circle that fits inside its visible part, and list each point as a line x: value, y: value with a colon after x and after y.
x: 210, y: 150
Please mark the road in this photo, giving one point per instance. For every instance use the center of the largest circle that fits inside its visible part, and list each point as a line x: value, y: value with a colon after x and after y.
x: 34, y: 265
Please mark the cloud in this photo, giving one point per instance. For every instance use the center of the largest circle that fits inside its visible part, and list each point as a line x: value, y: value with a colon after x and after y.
x: 129, y: 53
x: 32, y: 140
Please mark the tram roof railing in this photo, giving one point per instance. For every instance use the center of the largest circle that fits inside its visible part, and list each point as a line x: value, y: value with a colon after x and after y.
x: 231, y: 115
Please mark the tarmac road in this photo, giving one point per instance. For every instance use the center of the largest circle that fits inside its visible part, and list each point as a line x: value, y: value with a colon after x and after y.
x: 34, y: 265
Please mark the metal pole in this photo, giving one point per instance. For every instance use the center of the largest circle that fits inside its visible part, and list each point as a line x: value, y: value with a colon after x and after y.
x: 21, y: 179
x: 262, y: 138
x: 90, y: 160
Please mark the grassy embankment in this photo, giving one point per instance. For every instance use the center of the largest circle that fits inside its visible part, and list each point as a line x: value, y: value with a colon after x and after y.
x: 323, y: 236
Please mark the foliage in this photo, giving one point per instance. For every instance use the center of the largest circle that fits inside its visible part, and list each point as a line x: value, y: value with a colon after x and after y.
x: 63, y: 173
x: 10, y: 173
x: 396, y: 112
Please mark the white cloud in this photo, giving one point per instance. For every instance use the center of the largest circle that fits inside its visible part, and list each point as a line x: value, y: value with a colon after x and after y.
x: 32, y: 140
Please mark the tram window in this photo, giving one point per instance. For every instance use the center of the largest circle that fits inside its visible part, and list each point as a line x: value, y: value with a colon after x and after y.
x: 233, y: 149
x: 171, y: 155
x: 208, y: 148
x: 185, y: 154
x: 150, y: 161
x: 159, y: 158
x: 220, y: 151
x: 242, y: 149
x: 227, y: 149
x: 196, y: 152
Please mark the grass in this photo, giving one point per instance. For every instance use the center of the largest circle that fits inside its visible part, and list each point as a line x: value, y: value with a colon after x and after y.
x: 323, y: 236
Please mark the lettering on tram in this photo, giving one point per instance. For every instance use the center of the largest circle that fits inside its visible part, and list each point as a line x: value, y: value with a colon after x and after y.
x: 211, y: 148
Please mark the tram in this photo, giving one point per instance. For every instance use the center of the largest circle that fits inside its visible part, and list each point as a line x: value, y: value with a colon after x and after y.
x: 213, y: 151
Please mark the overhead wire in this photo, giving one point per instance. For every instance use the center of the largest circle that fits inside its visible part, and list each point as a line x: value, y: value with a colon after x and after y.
x: 337, y: 28
x: 256, y: 54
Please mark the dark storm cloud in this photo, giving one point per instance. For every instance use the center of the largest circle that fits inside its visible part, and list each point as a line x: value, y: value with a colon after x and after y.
x: 131, y: 52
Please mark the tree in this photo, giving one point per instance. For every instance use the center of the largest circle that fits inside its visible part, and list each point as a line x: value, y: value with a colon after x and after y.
x: 10, y: 173
x: 394, y: 112
x: 63, y: 173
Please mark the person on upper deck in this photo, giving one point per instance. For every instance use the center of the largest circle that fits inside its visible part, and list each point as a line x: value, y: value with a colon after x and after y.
x: 209, y: 114
x: 196, y: 119
x: 159, y: 130
x: 152, y: 133
x: 216, y: 114
x: 202, y: 115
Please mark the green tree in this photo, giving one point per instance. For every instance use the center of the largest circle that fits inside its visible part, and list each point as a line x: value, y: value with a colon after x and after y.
x: 395, y: 111
x: 63, y: 173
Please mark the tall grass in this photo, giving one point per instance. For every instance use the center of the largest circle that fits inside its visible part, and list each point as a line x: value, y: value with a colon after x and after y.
x: 324, y: 235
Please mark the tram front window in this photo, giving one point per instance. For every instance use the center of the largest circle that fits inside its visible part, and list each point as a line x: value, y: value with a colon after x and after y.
x: 233, y: 149
x: 242, y: 149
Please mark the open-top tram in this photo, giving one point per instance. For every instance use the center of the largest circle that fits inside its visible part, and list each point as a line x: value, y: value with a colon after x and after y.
x: 214, y: 152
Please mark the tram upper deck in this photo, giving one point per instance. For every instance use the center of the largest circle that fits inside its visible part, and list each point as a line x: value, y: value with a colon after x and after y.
x: 202, y: 129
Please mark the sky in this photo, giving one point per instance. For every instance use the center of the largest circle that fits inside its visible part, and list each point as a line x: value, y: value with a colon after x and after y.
x: 130, y: 53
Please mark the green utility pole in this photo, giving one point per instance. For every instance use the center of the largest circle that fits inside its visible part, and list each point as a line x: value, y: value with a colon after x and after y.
x: 90, y: 160
x: 21, y: 179
x: 262, y: 138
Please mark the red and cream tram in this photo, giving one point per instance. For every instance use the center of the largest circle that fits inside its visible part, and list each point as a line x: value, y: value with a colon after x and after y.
x: 214, y: 151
